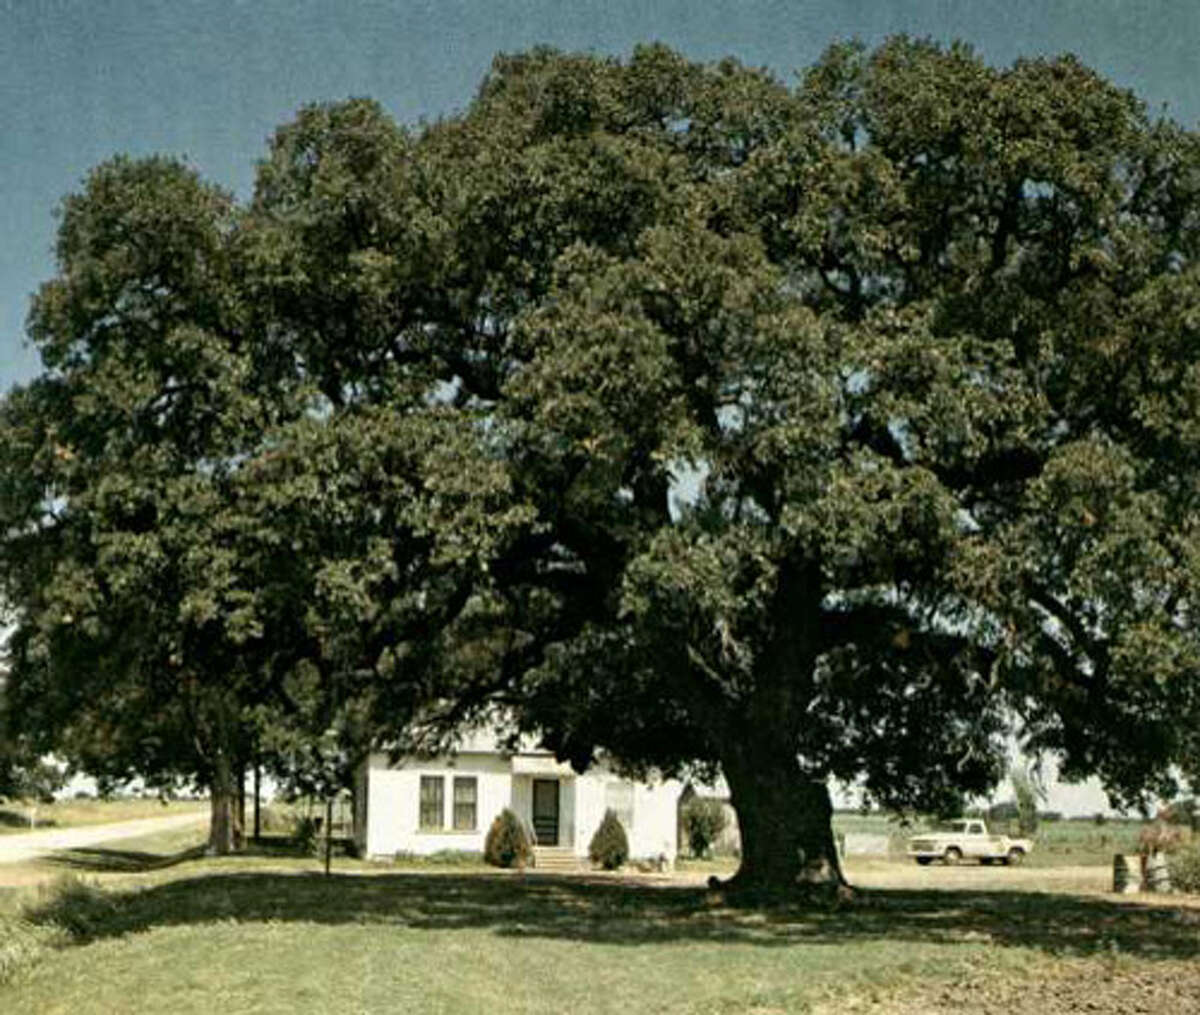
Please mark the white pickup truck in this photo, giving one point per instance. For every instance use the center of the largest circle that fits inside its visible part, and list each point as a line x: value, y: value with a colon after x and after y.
x: 952, y: 841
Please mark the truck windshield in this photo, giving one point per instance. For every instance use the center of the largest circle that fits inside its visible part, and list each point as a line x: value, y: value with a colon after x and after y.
x: 950, y: 826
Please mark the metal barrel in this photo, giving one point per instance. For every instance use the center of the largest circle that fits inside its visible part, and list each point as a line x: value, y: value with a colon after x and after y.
x: 1127, y: 873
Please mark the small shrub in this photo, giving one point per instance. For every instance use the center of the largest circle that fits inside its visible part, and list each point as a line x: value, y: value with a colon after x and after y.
x: 455, y: 857
x: 306, y: 834
x: 507, y: 844
x: 76, y: 908
x: 609, y: 846
x: 440, y: 858
x: 1006, y: 810
x: 704, y: 820
x: 1184, y: 867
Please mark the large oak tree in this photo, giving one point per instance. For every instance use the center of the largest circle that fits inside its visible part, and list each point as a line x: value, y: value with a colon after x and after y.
x: 828, y: 432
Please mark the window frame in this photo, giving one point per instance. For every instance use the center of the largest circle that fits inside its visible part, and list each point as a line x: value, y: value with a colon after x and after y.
x: 464, y: 781
x: 437, y: 784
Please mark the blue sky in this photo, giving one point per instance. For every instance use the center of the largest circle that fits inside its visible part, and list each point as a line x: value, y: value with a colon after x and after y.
x: 209, y: 80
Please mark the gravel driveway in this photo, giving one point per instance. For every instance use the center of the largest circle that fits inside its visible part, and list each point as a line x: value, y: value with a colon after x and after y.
x: 27, y: 845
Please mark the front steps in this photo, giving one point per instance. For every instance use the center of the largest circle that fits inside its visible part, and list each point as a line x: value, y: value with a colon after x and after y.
x: 555, y: 860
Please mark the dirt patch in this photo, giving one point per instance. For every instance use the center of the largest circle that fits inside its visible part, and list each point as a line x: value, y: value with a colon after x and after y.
x: 880, y: 873
x: 1117, y: 987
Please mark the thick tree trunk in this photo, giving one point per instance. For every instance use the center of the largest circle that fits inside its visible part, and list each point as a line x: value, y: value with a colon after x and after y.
x: 785, y: 822
x: 225, y: 826
x: 784, y: 816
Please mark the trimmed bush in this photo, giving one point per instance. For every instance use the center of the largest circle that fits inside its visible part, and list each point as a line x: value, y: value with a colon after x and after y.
x: 704, y: 820
x: 609, y: 846
x: 507, y: 844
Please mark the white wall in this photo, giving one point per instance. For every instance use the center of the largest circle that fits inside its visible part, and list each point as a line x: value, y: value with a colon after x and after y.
x: 522, y: 798
x: 589, y: 806
x: 393, y: 807
x: 656, y: 819
x: 394, y: 803
x: 655, y: 814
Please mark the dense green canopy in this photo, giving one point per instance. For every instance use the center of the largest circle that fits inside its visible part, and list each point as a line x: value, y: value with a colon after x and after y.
x: 835, y: 431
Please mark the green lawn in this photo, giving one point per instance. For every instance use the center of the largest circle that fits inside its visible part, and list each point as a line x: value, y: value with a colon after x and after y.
x: 268, y: 933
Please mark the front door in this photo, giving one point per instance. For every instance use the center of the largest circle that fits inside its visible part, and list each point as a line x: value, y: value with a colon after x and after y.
x: 545, y: 811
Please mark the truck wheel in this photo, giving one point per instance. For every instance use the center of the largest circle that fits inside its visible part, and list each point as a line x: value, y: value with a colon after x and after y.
x: 952, y: 856
x: 1015, y: 856
x: 924, y: 860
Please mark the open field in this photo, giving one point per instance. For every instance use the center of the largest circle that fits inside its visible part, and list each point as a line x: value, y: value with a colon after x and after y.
x: 152, y: 928
x: 14, y: 817
x: 1057, y: 843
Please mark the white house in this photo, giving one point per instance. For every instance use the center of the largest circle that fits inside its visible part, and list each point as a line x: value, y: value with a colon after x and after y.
x: 448, y: 803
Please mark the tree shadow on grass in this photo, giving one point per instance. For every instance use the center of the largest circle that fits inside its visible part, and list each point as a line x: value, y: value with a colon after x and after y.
x: 594, y: 911
x: 102, y: 860
x: 97, y: 860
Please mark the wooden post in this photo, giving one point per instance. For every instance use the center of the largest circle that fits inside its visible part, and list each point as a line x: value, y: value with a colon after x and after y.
x: 240, y: 804
x: 328, y: 832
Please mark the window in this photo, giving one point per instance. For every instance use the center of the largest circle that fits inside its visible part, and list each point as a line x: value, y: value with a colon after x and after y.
x: 432, y: 798
x: 465, y: 796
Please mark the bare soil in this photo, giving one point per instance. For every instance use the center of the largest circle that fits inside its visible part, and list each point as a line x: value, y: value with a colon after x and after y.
x: 1122, y: 988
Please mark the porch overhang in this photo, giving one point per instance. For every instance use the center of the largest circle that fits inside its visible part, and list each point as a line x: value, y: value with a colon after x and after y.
x: 540, y: 764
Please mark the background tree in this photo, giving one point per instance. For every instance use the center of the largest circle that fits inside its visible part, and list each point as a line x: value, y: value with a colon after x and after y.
x: 129, y: 655
x: 196, y: 550
x: 1029, y: 793
x: 23, y: 775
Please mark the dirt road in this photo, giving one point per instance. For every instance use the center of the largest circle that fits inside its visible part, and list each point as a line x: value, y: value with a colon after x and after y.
x: 27, y: 845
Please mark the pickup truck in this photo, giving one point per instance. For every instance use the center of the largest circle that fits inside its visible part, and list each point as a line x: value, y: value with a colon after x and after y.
x: 952, y: 841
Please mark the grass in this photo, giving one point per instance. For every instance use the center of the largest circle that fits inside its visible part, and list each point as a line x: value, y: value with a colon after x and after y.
x: 14, y: 816
x: 152, y: 931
